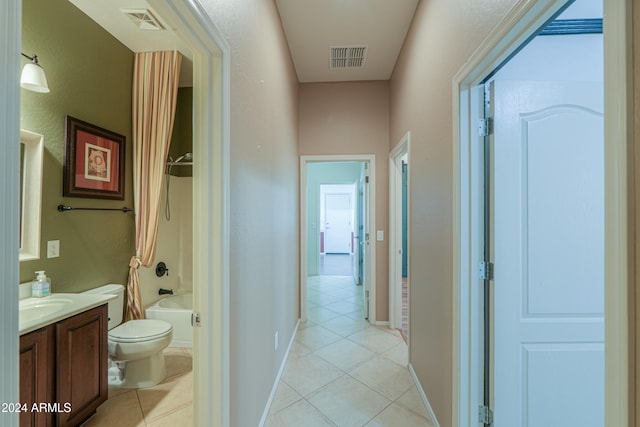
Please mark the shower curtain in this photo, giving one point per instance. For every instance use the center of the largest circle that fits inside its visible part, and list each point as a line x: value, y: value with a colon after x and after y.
x: 155, y: 88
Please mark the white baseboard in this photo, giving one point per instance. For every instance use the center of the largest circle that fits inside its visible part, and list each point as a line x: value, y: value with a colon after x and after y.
x: 427, y: 405
x: 379, y: 322
x: 267, y: 408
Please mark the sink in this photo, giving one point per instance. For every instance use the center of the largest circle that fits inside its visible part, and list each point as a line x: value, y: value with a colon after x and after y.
x: 38, y: 308
x: 35, y: 313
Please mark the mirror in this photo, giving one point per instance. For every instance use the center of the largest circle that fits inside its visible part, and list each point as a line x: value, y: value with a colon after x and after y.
x: 31, y: 155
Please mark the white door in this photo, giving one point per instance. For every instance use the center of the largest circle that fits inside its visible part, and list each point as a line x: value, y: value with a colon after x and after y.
x: 337, y: 226
x: 548, y: 222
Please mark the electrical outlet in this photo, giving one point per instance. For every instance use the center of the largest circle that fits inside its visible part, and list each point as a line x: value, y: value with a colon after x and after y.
x: 275, y: 342
x: 53, y: 248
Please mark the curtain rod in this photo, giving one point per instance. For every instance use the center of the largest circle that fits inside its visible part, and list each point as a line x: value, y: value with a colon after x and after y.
x: 63, y: 208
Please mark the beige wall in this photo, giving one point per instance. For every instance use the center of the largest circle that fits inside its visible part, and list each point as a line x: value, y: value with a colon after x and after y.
x: 353, y: 118
x: 443, y: 35
x: 264, y: 252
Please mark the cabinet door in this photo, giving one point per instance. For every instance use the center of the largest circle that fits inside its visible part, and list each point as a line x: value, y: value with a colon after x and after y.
x: 36, y: 376
x: 81, y: 347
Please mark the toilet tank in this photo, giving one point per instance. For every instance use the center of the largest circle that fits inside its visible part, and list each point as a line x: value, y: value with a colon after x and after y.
x: 115, y: 306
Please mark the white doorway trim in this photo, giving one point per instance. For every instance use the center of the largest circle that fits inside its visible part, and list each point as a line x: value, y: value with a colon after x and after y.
x: 10, y: 32
x: 370, y: 159
x: 395, y: 230
x: 519, y: 24
x: 211, y: 142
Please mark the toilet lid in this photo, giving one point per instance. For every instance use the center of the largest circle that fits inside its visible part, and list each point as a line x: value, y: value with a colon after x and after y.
x: 140, y: 330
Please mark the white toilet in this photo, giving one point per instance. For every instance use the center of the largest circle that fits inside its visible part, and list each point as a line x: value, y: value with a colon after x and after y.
x: 135, y: 347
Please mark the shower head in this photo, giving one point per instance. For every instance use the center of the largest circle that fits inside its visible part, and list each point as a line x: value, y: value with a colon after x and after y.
x: 187, y: 157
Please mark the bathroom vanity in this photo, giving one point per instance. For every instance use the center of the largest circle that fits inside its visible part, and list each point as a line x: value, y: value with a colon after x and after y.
x: 63, y: 365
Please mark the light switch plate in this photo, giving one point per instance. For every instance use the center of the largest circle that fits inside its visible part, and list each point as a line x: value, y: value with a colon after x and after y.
x: 380, y: 235
x: 53, y: 248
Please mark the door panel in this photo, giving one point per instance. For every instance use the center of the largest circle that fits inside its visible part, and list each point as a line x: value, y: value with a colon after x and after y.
x: 548, y: 213
x: 337, y: 235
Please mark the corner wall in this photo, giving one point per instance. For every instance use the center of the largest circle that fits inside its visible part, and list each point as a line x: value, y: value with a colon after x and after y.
x: 353, y: 118
x: 264, y: 226
x: 442, y: 37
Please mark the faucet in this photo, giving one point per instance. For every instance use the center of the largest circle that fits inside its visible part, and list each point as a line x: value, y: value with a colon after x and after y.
x: 165, y: 291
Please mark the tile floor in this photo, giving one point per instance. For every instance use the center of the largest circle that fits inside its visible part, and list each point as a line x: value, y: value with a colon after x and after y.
x: 341, y: 370
x: 168, y: 404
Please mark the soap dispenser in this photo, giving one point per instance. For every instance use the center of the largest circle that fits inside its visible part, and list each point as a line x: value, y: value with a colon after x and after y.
x: 41, y: 286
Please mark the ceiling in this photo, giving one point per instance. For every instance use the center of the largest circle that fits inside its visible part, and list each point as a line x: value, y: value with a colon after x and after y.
x: 311, y: 27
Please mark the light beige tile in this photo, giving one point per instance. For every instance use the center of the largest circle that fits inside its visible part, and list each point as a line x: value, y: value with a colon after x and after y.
x: 321, y: 314
x: 173, y: 394
x: 345, y: 326
x: 412, y: 400
x: 182, y: 417
x: 342, y: 307
x: 177, y: 361
x: 121, y: 410
x: 345, y: 354
x: 357, y: 314
x: 376, y: 340
x: 398, y: 354
x: 395, y: 415
x: 384, y: 376
x: 348, y: 403
x: 299, y: 414
x: 316, y: 337
x: 298, y: 350
x: 309, y: 373
x: 284, y: 397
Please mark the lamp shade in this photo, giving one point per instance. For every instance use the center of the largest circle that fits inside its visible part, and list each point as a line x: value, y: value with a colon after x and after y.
x: 33, y: 78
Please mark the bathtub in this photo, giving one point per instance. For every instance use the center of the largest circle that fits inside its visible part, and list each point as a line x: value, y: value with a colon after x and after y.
x: 175, y: 309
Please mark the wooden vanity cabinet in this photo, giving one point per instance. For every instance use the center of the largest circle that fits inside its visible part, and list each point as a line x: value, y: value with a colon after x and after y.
x: 75, y: 369
x: 37, y: 374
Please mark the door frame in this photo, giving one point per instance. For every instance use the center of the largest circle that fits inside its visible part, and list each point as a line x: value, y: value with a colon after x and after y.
x: 211, y: 145
x: 515, y: 29
x: 369, y: 159
x: 395, y: 229
x: 212, y: 73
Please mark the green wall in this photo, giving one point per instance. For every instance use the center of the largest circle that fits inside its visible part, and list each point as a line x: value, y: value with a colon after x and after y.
x: 90, y: 77
x: 182, y: 136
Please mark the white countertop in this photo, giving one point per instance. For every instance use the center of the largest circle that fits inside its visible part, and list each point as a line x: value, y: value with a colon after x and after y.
x: 36, y: 313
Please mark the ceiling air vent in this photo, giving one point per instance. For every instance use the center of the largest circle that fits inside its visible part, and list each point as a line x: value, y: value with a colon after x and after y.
x: 347, y: 57
x: 143, y: 19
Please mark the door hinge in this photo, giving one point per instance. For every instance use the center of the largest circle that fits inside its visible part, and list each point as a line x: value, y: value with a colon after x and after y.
x: 366, y: 179
x: 485, y: 126
x: 195, y: 320
x: 485, y: 415
x: 486, y: 270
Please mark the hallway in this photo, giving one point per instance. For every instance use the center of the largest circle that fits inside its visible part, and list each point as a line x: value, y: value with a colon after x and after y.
x: 342, y: 371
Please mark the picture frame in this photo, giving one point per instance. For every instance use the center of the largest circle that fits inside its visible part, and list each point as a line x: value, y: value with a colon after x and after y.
x: 93, y: 161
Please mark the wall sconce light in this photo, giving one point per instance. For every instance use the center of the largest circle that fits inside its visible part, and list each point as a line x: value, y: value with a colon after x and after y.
x: 33, y: 77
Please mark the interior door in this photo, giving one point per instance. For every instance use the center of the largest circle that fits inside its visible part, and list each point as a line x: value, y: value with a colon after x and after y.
x: 337, y: 227
x: 548, y: 249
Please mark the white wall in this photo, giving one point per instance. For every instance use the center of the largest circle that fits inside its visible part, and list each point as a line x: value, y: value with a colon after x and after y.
x: 175, y: 244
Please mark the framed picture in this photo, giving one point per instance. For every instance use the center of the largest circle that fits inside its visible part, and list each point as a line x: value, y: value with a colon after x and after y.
x: 93, y: 161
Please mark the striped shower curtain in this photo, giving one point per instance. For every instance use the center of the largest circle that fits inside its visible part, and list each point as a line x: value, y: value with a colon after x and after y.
x: 155, y: 88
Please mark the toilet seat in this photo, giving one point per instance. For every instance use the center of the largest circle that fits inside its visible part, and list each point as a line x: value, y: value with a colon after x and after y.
x: 140, y: 330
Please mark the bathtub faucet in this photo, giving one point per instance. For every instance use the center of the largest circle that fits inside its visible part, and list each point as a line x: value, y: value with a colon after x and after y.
x: 165, y: 291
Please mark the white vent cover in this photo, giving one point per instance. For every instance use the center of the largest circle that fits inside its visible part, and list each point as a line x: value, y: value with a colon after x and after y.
x: 143, y: 19
x: 347, y: 56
